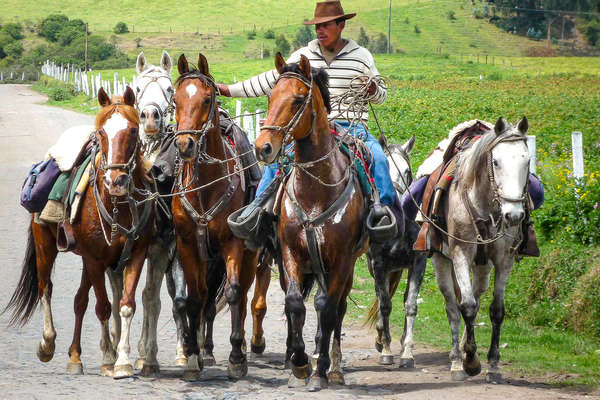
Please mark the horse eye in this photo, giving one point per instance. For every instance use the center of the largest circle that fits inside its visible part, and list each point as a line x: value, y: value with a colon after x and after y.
x: 207, y: 101
x: 138, y: 89
x: 495, y: 163
x: 133, y: 131
x: 169, y: 89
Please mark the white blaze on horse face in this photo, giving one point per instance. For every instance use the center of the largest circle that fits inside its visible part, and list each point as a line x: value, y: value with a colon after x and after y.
x: 191, y: 90
x: 153, y: 88
x: 112, y: 127
x: 511, y: 169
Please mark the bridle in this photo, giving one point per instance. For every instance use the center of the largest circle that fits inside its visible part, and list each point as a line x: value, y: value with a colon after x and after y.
x: 168, y: 97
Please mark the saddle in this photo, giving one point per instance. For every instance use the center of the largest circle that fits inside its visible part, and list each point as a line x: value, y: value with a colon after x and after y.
x: 438, y: 184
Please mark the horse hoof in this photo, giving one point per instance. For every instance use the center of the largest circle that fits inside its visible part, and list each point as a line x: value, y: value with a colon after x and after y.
x: 378, y: 346
x: 74, y: 368
x: 123, y: 371
x: 191, y: 375
x: 301, y: 372
x: 45, y: 355
x: 336, y: 378
x: 237, y: 371
x: 150, y: 370
x: 107, y: 370
x: 493, y: 377
x: 295, y: 383
x: 208, y: 360
x: 139, y: 363
x: 181, y: 361
x: 386, y: 360
x: 258, y: 348
x: 314, y: 361
x: 458, y: 376
x: 317, y: 383
x: 407, y: 363
x: 473, y: 369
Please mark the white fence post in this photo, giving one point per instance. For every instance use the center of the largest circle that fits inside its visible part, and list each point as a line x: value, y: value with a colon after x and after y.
x: 116, y: 84
x: 257, y: 126
x: 238, y: 112
x: 249, y: 126
x: 532, y: 153
x: 577, y: 144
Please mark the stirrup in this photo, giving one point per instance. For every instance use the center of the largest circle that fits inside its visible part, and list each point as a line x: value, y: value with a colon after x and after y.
x: 380, y: 230
x: 65, y: 241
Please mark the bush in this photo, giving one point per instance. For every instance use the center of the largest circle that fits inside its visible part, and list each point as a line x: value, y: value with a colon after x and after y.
x: 282, y: 45
x: 451, y: 15
x: 251, y: 35
x: 120, y: 27
x: 13, y: 49
x: 269, y: 34
x: 379, y: 45
x: 138, y: 41
x: 305, y: 34
x: 417, y: 30
x: 266, y: 53
x: 60, y: 93
x: 591, y: 31
x: 51, y: 25
x: 14, y: 30
x: 363, y: 39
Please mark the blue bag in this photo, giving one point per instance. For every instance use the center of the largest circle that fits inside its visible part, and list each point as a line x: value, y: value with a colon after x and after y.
x: 38, y: 184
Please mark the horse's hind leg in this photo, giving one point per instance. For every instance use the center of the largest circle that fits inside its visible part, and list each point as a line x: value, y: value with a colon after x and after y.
x: 382, y: 289
x: 74, y: 366
x: 443, y: 273
x: 259, y: 304
x: 415, y: 278
x: 176, y: 288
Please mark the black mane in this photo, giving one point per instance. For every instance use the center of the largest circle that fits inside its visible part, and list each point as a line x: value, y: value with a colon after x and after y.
x: 319, y: 76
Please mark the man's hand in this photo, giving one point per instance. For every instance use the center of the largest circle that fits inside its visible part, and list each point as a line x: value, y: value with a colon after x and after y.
x: 372, y: 88
x: 223, y: 90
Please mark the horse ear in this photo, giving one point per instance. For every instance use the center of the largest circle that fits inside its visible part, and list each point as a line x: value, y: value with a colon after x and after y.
x: 500, y: 126
x: 408, y: 146
x: 203, y: 65
x: 103, y: 98
x: 129, y: 97
x: 523, y: 126
x: 305, y: 66
x: 140, y: 65
x: 182, y: 65
x: 279, y: 62
x: 165, y: 62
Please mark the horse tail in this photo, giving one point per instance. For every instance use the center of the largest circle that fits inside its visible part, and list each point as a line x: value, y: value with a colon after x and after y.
x: 307, y: 285
x: 395, y: 277
x: 220, y: 298
x: 26, y: 296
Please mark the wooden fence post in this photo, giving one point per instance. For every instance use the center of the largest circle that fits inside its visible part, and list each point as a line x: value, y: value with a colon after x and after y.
x: 577, y: 149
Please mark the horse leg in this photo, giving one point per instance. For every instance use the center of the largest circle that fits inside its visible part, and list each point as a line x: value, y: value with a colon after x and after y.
x: 158, y: 260
x: 501, y: 274
x: 319, y: 303
x: 335, y: 374
x: 443, y: 274
x: 214, y: 280
x: 468, y: 308
x: 259, y: 305
x: 415, y: 278
x: 103, y: 312
x: 131, y: 275
x: 233, y: 253
x: 176, y: 288
x: 45, y: 254
x: 382, y: 288
x: 116, y: 286
x: 74, y: 366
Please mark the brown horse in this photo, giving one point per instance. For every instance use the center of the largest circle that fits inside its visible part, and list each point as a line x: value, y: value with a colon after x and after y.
x: 210, y: 189
x: 321, y: 231
x: 102, y: 242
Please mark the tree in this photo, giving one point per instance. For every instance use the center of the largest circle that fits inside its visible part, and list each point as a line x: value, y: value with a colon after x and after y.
x: 120, y: 27
x: 282, y: 45
x: 52, y: 25
x: 379, y: 45
x: 14, y: 49
x: 304, y: 35
x: 14, y: 30
x: 363, y: 39
x: 269, y: 34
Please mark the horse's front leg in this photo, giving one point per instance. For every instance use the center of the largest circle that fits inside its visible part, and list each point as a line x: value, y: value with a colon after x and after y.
x: 116, y: 286
x: 177, y: 291
x: 415, y: 278
x: 131, y: 277
x: 382, y: 289
x: 335, y: 375
x: 319, y: 303
x: 259, y: 304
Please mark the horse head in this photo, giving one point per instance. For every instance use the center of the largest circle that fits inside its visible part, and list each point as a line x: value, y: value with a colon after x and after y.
x: 400, y: 169
x: 195, y: 105
x: 300, y: 91
x: 117, y: 126
x: 509, y: 166
x: 154, y: 92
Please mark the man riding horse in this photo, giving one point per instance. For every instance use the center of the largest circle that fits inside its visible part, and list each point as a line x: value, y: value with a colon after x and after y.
x: 344, y: 61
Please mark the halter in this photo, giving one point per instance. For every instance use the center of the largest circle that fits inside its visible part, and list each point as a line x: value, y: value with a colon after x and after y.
x: 154, y: 79
x: 129, y: 166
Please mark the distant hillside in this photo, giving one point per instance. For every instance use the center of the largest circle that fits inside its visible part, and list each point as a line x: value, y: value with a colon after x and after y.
x: 219, y: 28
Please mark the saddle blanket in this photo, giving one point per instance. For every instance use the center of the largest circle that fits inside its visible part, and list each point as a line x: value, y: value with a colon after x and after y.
x: 68, y: 146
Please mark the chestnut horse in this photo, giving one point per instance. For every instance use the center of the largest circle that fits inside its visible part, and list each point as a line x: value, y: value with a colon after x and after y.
x: 322, y: 209
x: 102, y: 242
x: 209, y: 188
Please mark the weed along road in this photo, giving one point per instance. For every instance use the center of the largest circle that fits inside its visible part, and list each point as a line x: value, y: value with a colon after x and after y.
x: 27, y: 129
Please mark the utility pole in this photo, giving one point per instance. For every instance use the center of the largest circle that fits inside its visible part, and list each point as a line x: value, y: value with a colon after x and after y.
x: 86, y: 47
x: 389, y: 45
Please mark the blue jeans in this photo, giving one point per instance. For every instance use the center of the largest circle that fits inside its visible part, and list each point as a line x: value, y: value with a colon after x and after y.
x: 380, y: 169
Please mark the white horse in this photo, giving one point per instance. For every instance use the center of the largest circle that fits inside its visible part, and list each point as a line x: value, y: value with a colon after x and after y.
x: 486, y: 204
x: 154, y: 94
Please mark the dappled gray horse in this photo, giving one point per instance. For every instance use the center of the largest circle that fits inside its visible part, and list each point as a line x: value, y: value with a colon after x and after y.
x: 486, y: 204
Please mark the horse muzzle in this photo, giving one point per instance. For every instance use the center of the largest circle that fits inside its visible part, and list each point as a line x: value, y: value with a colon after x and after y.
x: 151, y: 120
x: 265, y: 152
x: 186, y: 146
x: 118, y: 186
x: 513, y: 217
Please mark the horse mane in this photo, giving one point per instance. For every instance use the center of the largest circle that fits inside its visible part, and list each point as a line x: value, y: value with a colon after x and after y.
x: 117, y: 105
x: 319, y: 77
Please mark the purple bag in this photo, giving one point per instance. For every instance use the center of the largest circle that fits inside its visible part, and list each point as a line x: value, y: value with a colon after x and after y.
x: 38, y: 184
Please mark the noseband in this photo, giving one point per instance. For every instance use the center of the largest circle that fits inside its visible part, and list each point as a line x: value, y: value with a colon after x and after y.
x: 208, y: 124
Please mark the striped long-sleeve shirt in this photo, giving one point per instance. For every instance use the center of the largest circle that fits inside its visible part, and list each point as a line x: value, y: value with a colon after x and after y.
x: 352, y: 60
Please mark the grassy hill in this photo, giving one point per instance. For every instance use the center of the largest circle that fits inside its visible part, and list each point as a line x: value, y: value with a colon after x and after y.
x: 219, y: 28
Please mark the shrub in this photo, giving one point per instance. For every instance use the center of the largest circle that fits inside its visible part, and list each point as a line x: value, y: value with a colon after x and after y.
x: 282, y: 45
x: 60, y: 93
x: 304, y: 35
x: 138, y: 41
x: 251, y: 35
x: 451, y: 15
x: 379, y: 45
x: 363, y: 39
x: 120, y: 27
x: 13, y: 49
x: 51, y: 25
x: 14, y: 30
x: 269, y: 34
x: 266, y: 53
x: 417, y: 30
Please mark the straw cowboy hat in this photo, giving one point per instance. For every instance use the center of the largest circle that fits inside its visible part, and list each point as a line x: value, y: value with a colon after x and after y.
x: 326, y: 11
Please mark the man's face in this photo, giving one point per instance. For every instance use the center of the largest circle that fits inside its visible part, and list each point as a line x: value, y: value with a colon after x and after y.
x: 329, y: 33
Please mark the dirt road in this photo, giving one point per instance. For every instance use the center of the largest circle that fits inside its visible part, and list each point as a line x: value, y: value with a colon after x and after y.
x: 27, y: 129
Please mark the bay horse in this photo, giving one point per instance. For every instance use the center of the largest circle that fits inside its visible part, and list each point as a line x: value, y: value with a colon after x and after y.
x: 154, y: 102
x: 486, y: 203
x: 208, y: 189
x: 387, y: 263
x: 102, y: 240
x: 321, y: 208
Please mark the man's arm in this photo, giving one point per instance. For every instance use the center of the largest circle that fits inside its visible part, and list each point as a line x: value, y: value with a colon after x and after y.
x: 380, y: 93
